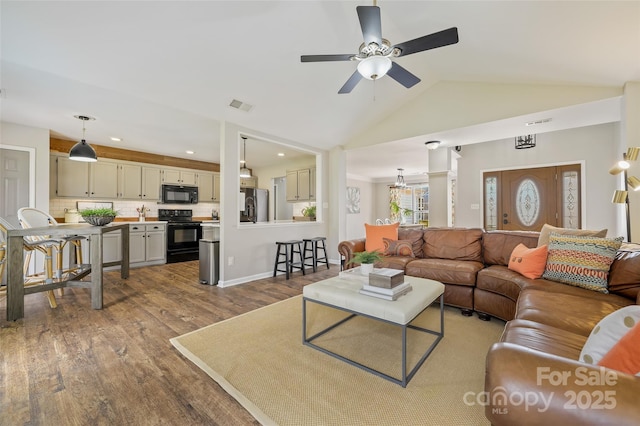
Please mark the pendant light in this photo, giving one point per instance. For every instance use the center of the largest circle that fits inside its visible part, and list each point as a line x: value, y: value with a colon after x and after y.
x: 244, y: 171
x: 400, y: 180
x: 82, y: 151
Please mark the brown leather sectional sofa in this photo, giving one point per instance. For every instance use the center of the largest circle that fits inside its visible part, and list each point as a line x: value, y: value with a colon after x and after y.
x: 548, y: 323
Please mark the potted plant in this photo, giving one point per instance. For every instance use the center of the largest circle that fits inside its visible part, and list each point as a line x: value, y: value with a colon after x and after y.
x: 309, y: 212
x: 98, y: 217
x: 397, y: 212
x: 365, y: 259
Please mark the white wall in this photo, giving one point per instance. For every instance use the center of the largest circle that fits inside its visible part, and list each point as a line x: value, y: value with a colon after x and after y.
x: 32, y: 137
x: 595, y: 146
x: 252, y: 246
x: 355, y: 221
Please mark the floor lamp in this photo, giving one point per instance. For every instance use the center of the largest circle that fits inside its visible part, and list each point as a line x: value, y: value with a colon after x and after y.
x: 621, y: 196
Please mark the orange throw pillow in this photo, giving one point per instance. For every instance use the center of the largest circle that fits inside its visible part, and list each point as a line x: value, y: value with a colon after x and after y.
x: 624, y: 356
x: 528, y: 262
x: 375, y: 234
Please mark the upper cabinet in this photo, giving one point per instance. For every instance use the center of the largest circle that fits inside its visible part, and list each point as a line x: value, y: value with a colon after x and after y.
x: 250, y: 182
x: 179, y: 177
x: 299, y: 185
x: 209, y: 187
x: 111, y: 179
x: 102, y: 184
x: 72, y: 177
x: 151, y: 183
x: 129, y: 181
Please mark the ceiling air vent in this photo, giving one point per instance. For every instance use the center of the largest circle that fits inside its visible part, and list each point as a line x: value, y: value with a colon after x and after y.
x: 242, y: 106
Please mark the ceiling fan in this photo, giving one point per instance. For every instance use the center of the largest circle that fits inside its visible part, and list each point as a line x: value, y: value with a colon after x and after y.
x: 374, y: 55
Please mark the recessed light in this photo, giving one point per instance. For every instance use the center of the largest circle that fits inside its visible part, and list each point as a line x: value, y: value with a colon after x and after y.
x: 281, y: 154
x: 116, y: 139
x: 189, y: 152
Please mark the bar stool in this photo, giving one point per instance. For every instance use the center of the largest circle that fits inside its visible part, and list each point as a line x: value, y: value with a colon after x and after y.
x: 313, y: 245
x: 289, y: 251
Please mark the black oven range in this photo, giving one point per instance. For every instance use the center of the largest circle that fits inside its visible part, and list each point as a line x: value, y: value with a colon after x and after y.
x: 183, y: 234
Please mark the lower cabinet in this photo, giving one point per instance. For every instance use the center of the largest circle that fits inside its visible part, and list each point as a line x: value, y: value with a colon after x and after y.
x: 147, y: 245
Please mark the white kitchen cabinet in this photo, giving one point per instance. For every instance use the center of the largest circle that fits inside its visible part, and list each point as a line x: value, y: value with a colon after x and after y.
x: 111, y: 247
x: 298, y: 185
x: 82, y: 180
x: 179, y: 177
x: 103, y: 179
x: 129, y: 181
x: 151, y: 183
x: 72, y: 178
x: 208, y: 187
x: 250, y: 182
x: 147, y: 244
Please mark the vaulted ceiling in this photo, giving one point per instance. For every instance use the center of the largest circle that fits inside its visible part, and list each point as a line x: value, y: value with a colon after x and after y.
x: 161, y: 75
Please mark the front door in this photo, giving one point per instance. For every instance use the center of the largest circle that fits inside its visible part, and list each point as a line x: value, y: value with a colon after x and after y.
x: 526, y: 199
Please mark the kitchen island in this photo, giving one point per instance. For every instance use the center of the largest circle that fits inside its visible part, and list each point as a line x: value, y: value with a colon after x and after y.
x: 15, y: 260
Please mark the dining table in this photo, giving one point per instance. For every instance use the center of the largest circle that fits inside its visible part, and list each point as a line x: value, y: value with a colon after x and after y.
x: 16, y: 289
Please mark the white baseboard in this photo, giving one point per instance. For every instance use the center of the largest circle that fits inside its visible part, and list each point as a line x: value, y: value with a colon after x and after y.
x: 243, y: 280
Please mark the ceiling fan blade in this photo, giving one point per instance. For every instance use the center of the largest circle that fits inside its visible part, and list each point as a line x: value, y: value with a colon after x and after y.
x: 351, y: 83
x: 431, y: 41
x: 370, y: 23
x: 402, y: 76
x: 325, y: 58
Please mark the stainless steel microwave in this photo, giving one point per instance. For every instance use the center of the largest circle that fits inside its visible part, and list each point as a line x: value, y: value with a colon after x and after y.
x: 175, y: 194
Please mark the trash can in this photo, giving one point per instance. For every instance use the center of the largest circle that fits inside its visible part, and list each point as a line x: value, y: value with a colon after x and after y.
x: 209, y: 262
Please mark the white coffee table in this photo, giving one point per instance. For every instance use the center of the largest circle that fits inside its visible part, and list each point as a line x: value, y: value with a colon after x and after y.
x: 343, y: 293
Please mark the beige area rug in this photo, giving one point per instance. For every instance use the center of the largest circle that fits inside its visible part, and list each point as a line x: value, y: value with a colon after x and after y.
x: 260, y: 360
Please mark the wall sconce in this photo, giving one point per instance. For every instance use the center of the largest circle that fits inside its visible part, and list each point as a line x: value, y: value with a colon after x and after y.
x: 527, y: 141
x: 622, y: 196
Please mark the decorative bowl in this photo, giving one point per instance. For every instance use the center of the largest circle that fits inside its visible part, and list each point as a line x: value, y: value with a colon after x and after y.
x: 99, y: 220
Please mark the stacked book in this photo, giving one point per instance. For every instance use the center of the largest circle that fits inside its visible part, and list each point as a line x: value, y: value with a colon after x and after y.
x: 386, y: 283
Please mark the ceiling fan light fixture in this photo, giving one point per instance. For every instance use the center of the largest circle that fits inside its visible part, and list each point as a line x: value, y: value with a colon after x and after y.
x: 374, y: 67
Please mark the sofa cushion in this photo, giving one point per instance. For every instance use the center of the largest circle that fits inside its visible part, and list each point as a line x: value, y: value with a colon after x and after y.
x: 571, y: 312
x: 581, y: 261
x: 544, y: 338
x: 397, y: 247
x: 453, y: 244
x: 444, y: 270
x: 415, y: 236
x: 497, y: 246
x: 624, y: 274
x: 529, y: 262
x: 394, y: 262
x: 501, y: 280
x: 375, y: 234
x: 547, y: 230
x: 608, y: 332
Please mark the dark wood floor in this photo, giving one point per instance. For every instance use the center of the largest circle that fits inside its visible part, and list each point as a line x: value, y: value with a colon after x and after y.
x: 76, y: 366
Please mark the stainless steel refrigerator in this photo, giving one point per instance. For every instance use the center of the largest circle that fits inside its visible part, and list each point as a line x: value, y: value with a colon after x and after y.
x: 254, y: 205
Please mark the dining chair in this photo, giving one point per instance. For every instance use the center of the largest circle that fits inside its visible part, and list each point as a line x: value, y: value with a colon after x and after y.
x: 44, y: 246
x: 33, y: 218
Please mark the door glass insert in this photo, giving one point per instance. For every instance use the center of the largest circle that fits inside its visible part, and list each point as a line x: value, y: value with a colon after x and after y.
x: 490, y: 203
x: 570, y: 217
x: 527, y: 202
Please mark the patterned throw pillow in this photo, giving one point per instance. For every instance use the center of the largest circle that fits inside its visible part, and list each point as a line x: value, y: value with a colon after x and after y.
x: 397, y: 247
x: 608, y: 333
x: 581, y: 261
